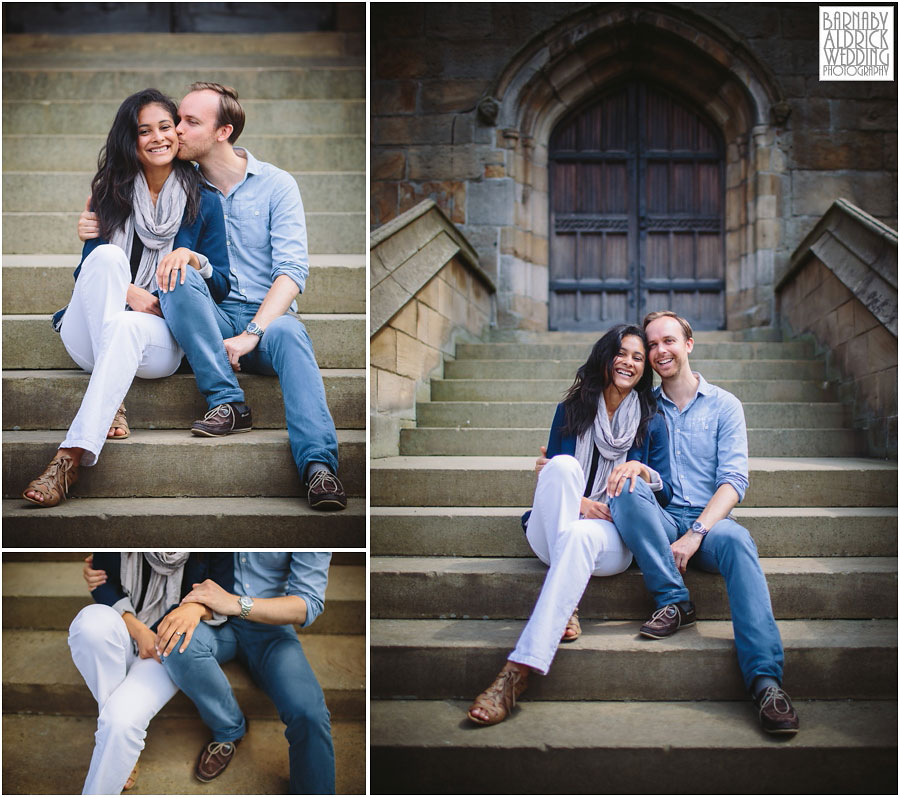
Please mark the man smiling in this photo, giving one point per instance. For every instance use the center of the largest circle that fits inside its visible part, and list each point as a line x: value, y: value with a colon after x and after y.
x: 708, y: 449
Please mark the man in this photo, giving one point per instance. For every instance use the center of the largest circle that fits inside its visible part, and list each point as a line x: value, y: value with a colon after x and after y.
x: 272, y: 592
x: 708, y: 449
x: 251, y: 329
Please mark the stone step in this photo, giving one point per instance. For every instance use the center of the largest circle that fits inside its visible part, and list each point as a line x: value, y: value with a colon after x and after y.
x: 38, y: 284
x: 439, y: 659
x: 713, y: 370
x: 519, y: 442
x: 78, y: 117
x: 485, y: 588
x: 128, y: 48
x: 539, y: 414
x: 64, y: 191
x: 197, y: 522
x: 794, y: 350
x: 50, y: 755
x: 527, y: 336
x: 47, y: 595
x: 160, y: 464
x: 524, y: 389
x: 31, y: 343
x: 428, y: 747
x: 39, y: 676
x: 170, y: 403
x: 496, y: 531
x: 509, y: 481
x: 310, y: 81
x: 294, y: 153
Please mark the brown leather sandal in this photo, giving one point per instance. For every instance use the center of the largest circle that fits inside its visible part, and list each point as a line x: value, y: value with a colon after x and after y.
x: 119, y: 422
x: 55, y: 481
x: 499, y: 698
x: 572, y: 625
x: 132, y: 778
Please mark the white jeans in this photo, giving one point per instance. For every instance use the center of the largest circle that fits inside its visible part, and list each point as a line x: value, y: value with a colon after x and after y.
x: 575, y: 549
x: 113, y: 344
x: 129, y: 692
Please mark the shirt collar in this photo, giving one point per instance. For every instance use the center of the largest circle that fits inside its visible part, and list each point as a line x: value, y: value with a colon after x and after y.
x: 703, y: 388
x: 253, y: 166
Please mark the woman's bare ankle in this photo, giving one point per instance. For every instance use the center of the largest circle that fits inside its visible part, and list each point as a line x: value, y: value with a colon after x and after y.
x: 74, y: 454
x: 523, y: 669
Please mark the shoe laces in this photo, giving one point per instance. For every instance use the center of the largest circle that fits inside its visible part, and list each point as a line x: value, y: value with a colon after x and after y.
x: 666, y: 611
x: 777, y: 698
x: 324, y: 480
x: 503, y: 690
x: 215, y: 748
x: 222, y: 409
x: 57, y: 466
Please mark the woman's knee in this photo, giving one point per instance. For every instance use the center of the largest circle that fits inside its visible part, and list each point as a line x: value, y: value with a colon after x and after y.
x: 95, y: 625
x: 106, y: 256
x: 563, y: 466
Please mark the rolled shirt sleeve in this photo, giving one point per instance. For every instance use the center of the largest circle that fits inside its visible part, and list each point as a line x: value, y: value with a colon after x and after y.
x: 287, y: 223
x: 308, y: 579
x: 732, y: 466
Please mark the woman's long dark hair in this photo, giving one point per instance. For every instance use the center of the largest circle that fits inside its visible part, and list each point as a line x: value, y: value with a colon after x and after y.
x: 118, y: 165
x: 596, y: 374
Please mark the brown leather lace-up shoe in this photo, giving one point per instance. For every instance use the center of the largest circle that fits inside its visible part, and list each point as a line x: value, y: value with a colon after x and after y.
x: 667, y: 620
x: 214, y: 758
x: 225, y: 419
x: 326, y: 492
x: 776, y: 712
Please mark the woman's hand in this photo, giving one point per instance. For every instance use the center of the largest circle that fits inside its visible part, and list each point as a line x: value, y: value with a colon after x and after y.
x: 176, y: 261
x: 181, y: 620
x: 145, y: 638
x: 94, y: 578
x: 88, y: 223
x: 142, y: 301
x: 595, y: 510
x: 541, y: 460
x: 621, y: 473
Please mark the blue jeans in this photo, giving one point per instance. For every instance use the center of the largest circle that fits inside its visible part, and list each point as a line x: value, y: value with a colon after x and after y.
x: 275, y: 659
x: 649, y: 530
x: 285, y: 350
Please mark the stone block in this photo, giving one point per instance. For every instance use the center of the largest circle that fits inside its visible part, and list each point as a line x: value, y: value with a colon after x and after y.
x: 814, y: 191
x: 881, y: 348
x: 384, y: 436
x: 450, y: 196
x: 451, y: 95
x: 388, y: 164
x: 494, y: 170
x: 415, y: 359
x: 844, y: 322
x: 422, y: 266
x: 430, y: 293
x: 476, y: 320
x: 383, y: 202
x: 459, y: 308
x: 484, y: 240
x: 490, y: 202
x: 890, y: 154
x: 837, y: 150
x: 383, y: 349
x: 457, y: 275
x: 407, y: 319
x: 394, y: 393
x: 768, y: 233
x: 391, y: 21
x: 871, y: 114
x: 813, y: 113
x: 391, y: 62
x: 446, y: 162
x: 433, y: 328
x: 392, y: 97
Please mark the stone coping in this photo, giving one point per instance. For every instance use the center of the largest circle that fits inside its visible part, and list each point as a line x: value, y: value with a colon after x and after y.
x: 426, y: 240
x: 861, y: 251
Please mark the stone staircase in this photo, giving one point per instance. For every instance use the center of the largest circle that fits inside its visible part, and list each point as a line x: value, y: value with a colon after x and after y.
x: 453, y: 579
x: 49, y: 716
x: 304, y: 95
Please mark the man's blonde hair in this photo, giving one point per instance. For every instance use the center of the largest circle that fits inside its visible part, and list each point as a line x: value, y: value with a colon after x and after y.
x: 230, y: 110
x: 685, y: 326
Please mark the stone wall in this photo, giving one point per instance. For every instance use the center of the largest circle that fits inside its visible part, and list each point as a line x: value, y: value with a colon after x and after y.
x: 426, y: 292
x: 842, y: 289
x: 464, y: 97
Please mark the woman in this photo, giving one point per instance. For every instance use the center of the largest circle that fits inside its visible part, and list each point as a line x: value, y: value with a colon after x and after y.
x: 606, y: 433
x: 155, y: 221
x: 114, y: 647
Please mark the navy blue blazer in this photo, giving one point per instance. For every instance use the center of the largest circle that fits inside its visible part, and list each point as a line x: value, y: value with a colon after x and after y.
x: 206, y: 236
x: 199, y: 567
x: 653, y: 452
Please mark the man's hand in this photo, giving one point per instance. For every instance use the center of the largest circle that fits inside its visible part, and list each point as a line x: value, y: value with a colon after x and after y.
x: 212, y: 595
x: 181, y: 620
x: 684, y: 548
x: 176, y: 261
x: 238, y: 346
x: 88, y: 223
x: 541, y: 460
x: 94, y: 578
x: 142, y: 301
x: 621, y: 473
x: 595, y: 510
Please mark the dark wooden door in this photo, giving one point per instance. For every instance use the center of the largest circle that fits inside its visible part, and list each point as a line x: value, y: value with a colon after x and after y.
x: 636, y: 213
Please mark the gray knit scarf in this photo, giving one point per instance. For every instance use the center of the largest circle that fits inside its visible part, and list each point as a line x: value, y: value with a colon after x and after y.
x: 156, y: 225
x: 163, y: 587
x: 613, y: 439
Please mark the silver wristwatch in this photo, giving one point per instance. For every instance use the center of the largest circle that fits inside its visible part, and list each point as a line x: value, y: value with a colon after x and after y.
x: 698, y: 528
x: 254, y: 329
x: 246, y: 605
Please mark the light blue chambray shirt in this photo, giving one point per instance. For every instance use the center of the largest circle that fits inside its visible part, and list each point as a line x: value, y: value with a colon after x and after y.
x: 280, y: 573
x: 707, y: 445
x: 265, y: 230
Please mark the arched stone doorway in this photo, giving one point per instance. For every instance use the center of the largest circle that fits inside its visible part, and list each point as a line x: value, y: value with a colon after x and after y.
x: 636, y: 212
x: 687, y: 55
